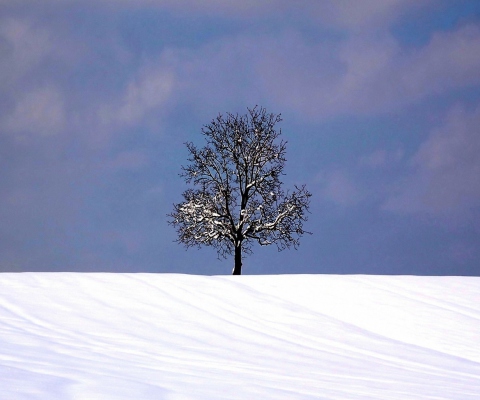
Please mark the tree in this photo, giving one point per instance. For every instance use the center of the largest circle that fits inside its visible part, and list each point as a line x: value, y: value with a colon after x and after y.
x: 238, y: 198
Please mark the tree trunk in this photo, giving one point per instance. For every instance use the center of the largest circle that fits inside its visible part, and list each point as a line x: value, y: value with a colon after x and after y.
x: 237, y: 269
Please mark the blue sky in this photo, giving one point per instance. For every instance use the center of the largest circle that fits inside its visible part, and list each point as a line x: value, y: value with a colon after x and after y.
x: 380, y: 103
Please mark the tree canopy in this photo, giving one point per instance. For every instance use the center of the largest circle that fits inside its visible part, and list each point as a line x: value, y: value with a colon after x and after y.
x: 237, y: 197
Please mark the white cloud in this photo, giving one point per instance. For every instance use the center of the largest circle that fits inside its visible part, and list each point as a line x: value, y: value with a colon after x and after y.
x: 39, y: 112
x: 222, y: 7
x: 338, y: 187
x: 22, y: 47
x: 362, y: 74
x: 450, y: 60
x: 350, y: 14
x: 365, y: 14
x: 446, y: 169
x: 365, y: 74
x: 146, y: 92
x: 382, y: 158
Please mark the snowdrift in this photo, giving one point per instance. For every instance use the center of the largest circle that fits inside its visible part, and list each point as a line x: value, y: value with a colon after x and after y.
x: 168, y: 336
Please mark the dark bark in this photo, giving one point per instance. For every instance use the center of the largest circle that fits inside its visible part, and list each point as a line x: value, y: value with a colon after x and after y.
x: 237, y: 269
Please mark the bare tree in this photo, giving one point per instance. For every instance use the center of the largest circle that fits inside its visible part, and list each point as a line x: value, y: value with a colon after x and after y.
x: 238, y: 198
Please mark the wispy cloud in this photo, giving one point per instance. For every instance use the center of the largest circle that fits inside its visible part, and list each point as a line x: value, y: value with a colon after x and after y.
x: 40, y: 112
x: 449, y: 61
x: 366, y: 15
x: 368, y: 75
x: 338, y: 187
x: 381, y: 159
x: 146, y: 92
x: 445, y: 170
x: 22, y: 47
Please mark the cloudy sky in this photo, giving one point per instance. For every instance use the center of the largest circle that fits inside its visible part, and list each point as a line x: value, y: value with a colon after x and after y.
x: 380, y: 102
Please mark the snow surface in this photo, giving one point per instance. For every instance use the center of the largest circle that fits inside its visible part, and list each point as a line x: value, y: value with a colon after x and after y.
x: 176, y: 337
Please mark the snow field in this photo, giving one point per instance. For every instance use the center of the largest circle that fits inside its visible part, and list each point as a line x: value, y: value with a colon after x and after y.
x: 168, y: 336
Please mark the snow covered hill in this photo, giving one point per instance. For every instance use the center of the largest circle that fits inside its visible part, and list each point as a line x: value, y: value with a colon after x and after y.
x: 167, y: 336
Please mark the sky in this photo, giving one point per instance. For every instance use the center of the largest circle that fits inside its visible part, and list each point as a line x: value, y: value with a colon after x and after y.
x: 380, y: 103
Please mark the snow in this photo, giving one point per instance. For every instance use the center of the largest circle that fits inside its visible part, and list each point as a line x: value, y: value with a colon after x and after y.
x: 176, y: 337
